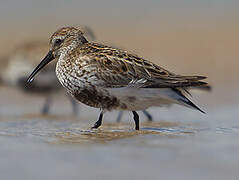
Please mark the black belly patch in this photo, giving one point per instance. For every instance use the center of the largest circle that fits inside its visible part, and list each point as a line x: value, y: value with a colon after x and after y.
x: 94, y: 98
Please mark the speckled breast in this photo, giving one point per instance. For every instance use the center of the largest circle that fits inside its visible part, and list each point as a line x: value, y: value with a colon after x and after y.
x: 79, y: 86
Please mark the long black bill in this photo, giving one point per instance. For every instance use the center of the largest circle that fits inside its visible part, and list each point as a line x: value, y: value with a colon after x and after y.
x: 49, y: 57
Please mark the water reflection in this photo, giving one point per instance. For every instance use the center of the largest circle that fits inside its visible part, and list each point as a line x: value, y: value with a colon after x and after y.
x: 52, y: 130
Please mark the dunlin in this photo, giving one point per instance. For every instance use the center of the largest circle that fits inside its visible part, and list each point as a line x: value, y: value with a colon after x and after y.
x: 22, y: 59
x: 111, y: 79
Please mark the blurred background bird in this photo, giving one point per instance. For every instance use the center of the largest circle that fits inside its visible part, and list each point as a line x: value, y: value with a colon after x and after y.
x: 25, y: 56
x: 22, y: 59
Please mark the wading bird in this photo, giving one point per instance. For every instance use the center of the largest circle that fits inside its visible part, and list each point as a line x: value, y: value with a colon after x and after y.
x: 111, y: 79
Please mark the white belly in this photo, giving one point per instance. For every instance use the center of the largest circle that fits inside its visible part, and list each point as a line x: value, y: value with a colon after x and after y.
x: 143, y: 98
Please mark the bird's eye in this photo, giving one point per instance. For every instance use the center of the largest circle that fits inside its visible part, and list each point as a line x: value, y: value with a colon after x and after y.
x: 58, y: 42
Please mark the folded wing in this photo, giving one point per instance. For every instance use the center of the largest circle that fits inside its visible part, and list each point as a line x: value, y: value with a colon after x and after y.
x: 117, y: 68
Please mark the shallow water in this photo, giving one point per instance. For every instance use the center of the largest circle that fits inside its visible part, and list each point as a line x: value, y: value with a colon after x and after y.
x: 180, y: 143
x: 186, y: 37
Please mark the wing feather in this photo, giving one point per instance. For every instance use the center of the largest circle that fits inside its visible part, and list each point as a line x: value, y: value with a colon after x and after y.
x: 118, y: 68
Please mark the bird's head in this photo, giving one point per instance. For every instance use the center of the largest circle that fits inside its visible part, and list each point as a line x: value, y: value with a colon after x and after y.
x: 63, y: 40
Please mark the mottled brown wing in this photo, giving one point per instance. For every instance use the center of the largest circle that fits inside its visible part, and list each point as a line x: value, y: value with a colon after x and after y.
x: 107, y: 72
x: 118, y: 68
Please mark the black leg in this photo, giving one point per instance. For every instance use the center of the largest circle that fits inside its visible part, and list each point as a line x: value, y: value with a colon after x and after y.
x: 119, y: 117
x: 99, y: 122
x: 136, y: 120
x: 46, y: 106
x: 146, y: 113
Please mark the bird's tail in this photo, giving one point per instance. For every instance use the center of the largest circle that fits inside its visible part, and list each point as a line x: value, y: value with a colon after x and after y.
x: 182, y: 99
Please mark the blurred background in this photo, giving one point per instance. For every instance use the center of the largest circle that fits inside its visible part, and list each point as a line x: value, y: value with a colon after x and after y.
x: 187, y: 37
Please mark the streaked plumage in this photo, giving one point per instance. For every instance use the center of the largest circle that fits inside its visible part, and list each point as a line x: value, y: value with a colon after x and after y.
x: 16, y: 66
x: 20, y: 62
x: 108, y: 78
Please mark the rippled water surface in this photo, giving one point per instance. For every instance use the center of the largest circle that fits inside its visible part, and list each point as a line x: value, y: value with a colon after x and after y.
x: 185, y: 37
x: 180, y: 144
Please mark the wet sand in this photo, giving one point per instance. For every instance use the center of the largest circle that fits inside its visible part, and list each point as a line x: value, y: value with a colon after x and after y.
x: 180, y: 144
x: 185, y: 37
